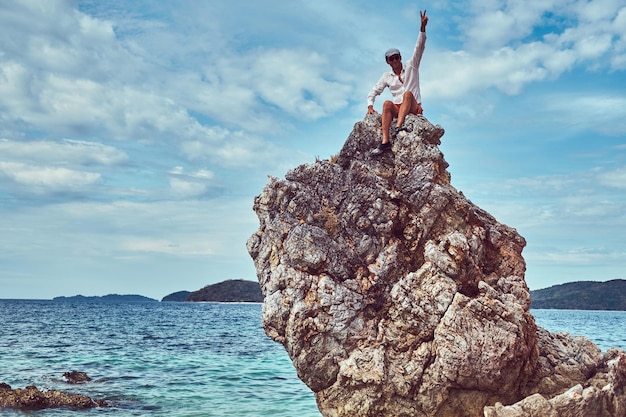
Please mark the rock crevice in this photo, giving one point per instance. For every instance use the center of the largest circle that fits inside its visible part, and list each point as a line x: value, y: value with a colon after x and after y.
x: 395, y: 295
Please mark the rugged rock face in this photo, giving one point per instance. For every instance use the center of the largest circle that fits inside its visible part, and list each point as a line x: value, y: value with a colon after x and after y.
x: 394, y: 295
x: 598, y: 382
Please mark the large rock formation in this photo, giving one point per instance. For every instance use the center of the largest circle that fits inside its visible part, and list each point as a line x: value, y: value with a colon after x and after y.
x: 394, y: 295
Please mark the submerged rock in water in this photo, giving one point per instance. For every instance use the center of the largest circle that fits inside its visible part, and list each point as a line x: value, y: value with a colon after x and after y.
x: 31, y: 398
x: 394, y: 295
x: 76, y: 377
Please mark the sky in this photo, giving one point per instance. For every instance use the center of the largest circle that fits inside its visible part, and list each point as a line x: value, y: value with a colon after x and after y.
x: 134, y: 135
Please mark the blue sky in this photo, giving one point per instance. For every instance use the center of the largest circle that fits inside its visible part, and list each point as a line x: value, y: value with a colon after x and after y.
x: 135, y: 135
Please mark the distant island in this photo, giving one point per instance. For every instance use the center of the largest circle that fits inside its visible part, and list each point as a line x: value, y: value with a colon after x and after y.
x: 177, y: 296
x: 235, y: 290
x: 582, y: 295
x: 110, y: 298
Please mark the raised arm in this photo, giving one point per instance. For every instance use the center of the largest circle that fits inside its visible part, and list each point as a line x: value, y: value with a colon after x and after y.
x: 414, y: 61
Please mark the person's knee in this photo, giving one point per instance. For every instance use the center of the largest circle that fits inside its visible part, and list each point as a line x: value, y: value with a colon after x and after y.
x: 388, y: 106
x: 408, y: 96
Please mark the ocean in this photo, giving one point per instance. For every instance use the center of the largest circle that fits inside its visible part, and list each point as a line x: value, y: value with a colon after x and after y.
x: 183, y: 359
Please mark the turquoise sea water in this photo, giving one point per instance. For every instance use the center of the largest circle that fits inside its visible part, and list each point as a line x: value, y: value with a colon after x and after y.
x: 606, y: 329
x: 183, y: 359
x: 152, y: 359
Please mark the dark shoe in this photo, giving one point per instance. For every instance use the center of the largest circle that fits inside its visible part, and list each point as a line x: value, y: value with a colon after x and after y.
x: 398, y: 129
x: 382, y: 147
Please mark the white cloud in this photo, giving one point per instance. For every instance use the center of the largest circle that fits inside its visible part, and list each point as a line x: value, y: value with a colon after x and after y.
x: 593, y: 46
x: 579, y: 209
x: 65, y: 152
x: 301, y: 83
x: 113, y: 111
x: 186, y: 189
x: 37, y: 179
x: 600, y: 111
x: 203, y: 174
x: 579, y: 257
x: 150, y: 248
x: 73, y: 77
x: 559, y: 61
x: 493, y: 24
x: 56, y: 38
x: 501, y: 52
x: 188, y: 185
x: 77, y: 77
x: 615, y: 178
x: 571, y: 224
x: 204, y: 229
x: 507, y: 69
x: 238, y: 150
x: 163, y: 246
x: 597, y: 10
x: 46, y: 168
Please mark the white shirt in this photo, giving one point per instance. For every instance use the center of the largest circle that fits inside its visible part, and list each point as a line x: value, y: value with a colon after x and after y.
x: 410, y: 74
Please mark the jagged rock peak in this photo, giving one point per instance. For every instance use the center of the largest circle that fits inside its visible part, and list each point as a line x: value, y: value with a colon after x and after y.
x: 393, y: 294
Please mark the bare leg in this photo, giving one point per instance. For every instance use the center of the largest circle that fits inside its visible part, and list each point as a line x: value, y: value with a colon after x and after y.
x: 409, y: 105
x: 390, y: 111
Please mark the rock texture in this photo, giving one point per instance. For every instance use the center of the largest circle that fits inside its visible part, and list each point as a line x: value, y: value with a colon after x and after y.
x: 394, y: 295
x: 600, y: 391
x: 31, y: 398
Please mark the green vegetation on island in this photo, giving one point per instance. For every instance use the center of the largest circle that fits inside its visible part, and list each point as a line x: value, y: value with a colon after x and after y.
x: 235, y: 290
x: 177, y: 296
x: 582, y: 295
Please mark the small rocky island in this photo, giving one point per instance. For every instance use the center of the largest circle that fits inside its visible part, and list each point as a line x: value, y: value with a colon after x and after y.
x: 31, y: 398
x: 394, y: 295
